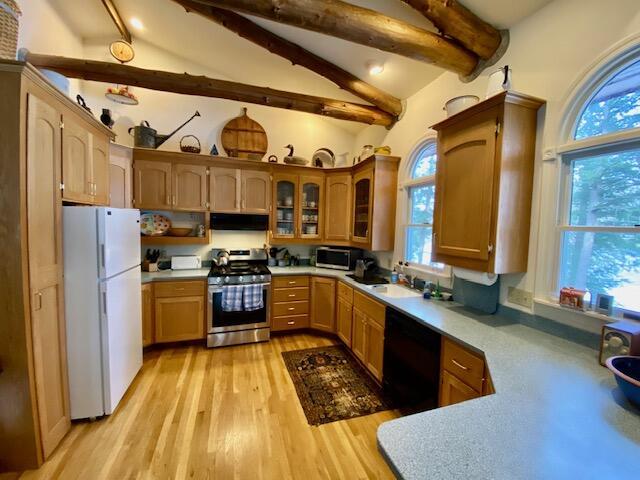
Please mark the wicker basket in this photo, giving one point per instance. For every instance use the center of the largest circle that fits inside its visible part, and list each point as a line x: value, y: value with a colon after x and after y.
x: 9, y: 13
x: 190, y: 148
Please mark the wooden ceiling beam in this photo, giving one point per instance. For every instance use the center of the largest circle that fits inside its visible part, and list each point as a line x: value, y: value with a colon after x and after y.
x: 209, y: 87
x: 360, y: 25
x: 117, y: 19
x: 457, y: 21
x: 297, y: 55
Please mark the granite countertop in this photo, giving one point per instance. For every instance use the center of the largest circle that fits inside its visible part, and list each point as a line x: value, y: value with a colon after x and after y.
x: 169, y: 275
x: 556, y: 412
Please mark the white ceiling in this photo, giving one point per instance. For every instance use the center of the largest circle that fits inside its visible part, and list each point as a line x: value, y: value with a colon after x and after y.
x: 199, y: 41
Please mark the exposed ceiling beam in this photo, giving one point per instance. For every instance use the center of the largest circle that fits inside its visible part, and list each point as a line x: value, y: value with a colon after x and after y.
x: 209, y: 87
x: 360, y: 25
x: 456, y: 21
x: 117, y: 19
x: 295, y: 54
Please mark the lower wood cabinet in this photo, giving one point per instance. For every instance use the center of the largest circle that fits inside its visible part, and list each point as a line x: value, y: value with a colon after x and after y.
x: 367, y: 341
x: 344, y: 321
x: 359, y: 332
x: 454, y: 390
x: 148, y: 327
x: 323, y: 304
x: 290, y: 303
x: 179, y: 311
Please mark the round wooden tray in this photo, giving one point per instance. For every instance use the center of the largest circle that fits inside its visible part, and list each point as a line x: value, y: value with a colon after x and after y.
x: 243, y: 137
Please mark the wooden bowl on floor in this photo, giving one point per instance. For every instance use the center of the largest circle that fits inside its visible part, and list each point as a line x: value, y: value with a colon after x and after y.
x: 179, y: 232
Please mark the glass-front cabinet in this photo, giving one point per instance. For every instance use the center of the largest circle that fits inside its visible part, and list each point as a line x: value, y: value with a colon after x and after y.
x: 311, y: 207
x: 362, y: 196
x: 285, y: 189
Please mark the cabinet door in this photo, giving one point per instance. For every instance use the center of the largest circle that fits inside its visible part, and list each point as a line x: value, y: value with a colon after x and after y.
x: 344, y: 321
x: 119, y: 177
x: 45, y: 271
x: 100, y: 169
x: 359, y: 334
x: 362, y: 206
x: 224, y: 190
x: 147, y: 314
x: 189, y: 187
x: 285, y: 193
x: 179, y: 318
x: 337, y: 217
x: 152, y: 185
x: 453, y: 390
x: 374, y: 348
x: 310, y: 214
x: 76, y: 162
x: 464, y: 188
x: 256, y: 192
x: 323, y: 304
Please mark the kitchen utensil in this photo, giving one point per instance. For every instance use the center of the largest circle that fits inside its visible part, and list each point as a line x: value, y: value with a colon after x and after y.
x: 147, y: 137
x: 325, y: 157
x: 288, y: 201
x: 282, y: 262
x: 106, y: 118
x: 457, y: 104
x: 366, y: 152
x: 242, y: 136
x: 499, y: 81
x: 180, y: 231
x: 222, y: 258
x: 365, y: 268
x: 82, y: 103
x: 190, y: 148
x: 626, y: 370
x: 154, y: 224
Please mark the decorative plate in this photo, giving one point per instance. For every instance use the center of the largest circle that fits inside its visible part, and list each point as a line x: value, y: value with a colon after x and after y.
x: 325, y: 157
x: 153, y: 224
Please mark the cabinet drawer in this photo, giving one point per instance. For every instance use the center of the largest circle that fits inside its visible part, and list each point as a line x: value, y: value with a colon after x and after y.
x: 467, y: 366
x: 179, y: 289
x: 345, y: 292
x: 290, y: 308
x: 371, y: 308
x: 287, y: 282
x: 290, y: 294
x: 291, y: 322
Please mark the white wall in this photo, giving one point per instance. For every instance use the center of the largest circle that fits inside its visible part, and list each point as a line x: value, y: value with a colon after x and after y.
x: 549, y: 52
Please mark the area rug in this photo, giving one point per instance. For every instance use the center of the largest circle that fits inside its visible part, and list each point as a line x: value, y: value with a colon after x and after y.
x: 332, y: 386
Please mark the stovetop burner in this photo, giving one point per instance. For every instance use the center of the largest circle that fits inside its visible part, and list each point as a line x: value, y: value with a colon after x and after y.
x: 239, y: 269
x: 244, y: 267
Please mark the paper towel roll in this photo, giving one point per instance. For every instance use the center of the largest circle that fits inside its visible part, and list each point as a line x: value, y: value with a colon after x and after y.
x: 477, y: 277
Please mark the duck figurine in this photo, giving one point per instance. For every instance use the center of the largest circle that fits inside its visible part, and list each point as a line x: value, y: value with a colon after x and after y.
x: 293, y: 160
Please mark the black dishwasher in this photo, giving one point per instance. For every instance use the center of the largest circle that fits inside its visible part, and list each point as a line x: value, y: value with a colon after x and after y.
x: 411, y: 370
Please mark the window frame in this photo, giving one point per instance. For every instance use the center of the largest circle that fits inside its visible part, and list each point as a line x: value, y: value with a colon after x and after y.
x: 574, y: 149
x: 406, y: 187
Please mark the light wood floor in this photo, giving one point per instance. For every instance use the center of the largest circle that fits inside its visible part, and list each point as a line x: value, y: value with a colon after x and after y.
x: 218, y: 413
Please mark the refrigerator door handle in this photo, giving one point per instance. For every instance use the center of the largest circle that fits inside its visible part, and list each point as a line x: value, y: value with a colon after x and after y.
x: 104, y: 302
x: 102, y: 255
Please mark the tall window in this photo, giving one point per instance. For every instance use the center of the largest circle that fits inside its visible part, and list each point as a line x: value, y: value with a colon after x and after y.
x: 600, y: 221
x: 421, y: 193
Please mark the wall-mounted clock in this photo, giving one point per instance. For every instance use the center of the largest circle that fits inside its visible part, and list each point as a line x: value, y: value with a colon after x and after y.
x: 122, y: 51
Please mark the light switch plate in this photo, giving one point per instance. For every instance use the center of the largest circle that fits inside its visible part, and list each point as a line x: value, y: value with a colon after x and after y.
x: 520, y: 297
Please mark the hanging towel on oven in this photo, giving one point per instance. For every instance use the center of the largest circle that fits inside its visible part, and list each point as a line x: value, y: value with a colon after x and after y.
x: 232, y: 298
x: 252, y: 297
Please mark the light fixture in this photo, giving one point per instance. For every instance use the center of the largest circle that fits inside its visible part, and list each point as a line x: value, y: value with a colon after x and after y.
x: 136, y: 23
x: 375, y: 67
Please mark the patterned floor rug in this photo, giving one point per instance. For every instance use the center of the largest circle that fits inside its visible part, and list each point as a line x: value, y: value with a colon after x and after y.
x: 332, y: 386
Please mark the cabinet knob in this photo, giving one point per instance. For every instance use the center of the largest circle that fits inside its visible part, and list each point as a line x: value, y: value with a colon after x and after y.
x: 291, y: 309
x: 291, y: 323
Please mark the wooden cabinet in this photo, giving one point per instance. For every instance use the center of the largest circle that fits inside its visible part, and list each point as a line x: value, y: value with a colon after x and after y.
x: 224, y: 190
x: 148, y: 327
x: 362, y: 200
x: 298, y: 211
x: 323, y: 304
x: 284, y: 219
x: 152, y: 185
x: 256, y: 192
x: 189, y: 187
x: 484, y: 181
x: 290, y: 303
x: 368, y: 333
x: 344, y: 313
x: 46, y: 271
x: 374, y: 348
x: 463, y: 374
x: 100, y: 170
x: 337, y: 217
x: 453, y: 390
x: 120, y: 171
x: 179, y: 311
x: 311, y: 207
x: 358, y: 339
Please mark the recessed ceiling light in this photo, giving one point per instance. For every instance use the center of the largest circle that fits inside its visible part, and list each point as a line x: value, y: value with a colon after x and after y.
x: 375, y: 68
x: 136, y: 23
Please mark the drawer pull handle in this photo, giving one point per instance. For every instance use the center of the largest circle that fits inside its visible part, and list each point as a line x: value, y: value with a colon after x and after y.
x: 458, y: 364
x: 180, y: 289
x: 292, y: 283
x: 291, y: 309
x: 292, y: 294
x: 291, y: 323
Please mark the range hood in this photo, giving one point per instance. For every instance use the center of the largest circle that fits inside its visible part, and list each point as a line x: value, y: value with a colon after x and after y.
x: 239, y: 221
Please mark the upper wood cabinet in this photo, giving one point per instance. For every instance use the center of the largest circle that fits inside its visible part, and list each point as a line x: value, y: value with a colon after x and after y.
x: 337, y: 218
x: 256, y: 192
x: 284, y: 218
x: 225, y: 190
x: 120, y: 171
x: 311, y: 207
x: 152, y: 185
x: 100, y: 170
x: 323, y: 303
x: 189, y: 189
x: 484, y: 182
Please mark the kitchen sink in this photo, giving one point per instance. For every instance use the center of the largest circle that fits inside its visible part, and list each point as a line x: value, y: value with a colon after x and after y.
x: 394, y: 291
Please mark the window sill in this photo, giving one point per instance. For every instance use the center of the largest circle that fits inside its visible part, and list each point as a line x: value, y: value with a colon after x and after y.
x: 584, y: 320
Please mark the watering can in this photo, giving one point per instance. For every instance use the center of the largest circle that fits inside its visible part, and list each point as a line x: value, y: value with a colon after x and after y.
x: 147, y: 137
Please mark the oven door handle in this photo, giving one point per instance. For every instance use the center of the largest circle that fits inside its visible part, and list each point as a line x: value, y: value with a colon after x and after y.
x: 218, y: 289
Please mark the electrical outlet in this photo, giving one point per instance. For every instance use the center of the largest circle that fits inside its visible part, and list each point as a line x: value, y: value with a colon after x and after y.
x: 520, y: 297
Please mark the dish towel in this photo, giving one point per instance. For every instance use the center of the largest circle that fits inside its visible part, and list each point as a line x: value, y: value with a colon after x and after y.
x: 252, y: 297
x: 232, y: 298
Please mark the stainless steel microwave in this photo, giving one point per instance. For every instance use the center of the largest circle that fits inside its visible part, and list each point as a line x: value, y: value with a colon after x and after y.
x: 337, y: 258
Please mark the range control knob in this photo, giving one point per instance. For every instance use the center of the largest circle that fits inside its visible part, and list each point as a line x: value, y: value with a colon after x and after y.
x: 226, y: 279
x: 254, y: 278
x: 241, y: 279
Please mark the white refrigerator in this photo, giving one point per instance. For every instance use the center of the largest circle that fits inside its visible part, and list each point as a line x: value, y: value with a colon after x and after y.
x: 102, y: 306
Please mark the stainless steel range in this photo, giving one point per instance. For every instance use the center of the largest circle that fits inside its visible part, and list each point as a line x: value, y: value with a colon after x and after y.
x: 231, y: 320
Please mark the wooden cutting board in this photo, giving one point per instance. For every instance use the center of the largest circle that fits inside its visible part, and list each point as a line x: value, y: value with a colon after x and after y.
x: 243, y: 137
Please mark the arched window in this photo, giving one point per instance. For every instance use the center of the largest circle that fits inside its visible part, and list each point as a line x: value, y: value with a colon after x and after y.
x: 420, y: 187
x: 600, y: 218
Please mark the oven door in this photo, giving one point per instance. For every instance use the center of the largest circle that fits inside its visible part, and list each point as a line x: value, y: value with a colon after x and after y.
x: 220, y: 321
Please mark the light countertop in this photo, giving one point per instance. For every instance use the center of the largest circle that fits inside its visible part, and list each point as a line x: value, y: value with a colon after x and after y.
x: 556, y: 412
